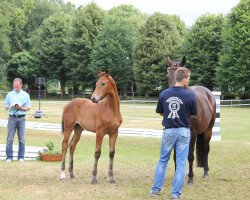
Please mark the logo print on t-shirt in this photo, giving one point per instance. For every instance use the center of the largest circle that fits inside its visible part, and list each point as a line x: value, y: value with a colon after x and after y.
x: 174, y: 106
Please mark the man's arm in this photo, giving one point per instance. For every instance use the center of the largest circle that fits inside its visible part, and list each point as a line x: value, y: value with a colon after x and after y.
x: 22, y: 108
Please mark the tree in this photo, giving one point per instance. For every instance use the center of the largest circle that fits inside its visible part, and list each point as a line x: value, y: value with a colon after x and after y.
x: 202, y: 47
x: 4, y: 37
x: 158, y: 38
x: 16, y: 12
x: 115, y: 44
x: 50, y: 48
x: 41, y: 10
x: 22, y: 65
x: 4, y: 48
x: 81, y: 37
x: 233, y: 73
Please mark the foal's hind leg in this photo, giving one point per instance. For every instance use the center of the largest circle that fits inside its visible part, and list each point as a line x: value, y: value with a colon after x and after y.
x: 64, y: 151
x: 77, y: 135
x: 112, y: 141
x: 208, y: 135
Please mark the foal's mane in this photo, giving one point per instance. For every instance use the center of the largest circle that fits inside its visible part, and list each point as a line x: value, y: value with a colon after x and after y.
x: 112, y: 81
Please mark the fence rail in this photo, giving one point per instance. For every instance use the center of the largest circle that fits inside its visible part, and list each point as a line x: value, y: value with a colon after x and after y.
x: 223, y: 103
x: 235, y: 102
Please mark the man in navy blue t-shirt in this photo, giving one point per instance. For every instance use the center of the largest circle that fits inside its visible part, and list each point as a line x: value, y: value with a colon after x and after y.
x: 175, y: 104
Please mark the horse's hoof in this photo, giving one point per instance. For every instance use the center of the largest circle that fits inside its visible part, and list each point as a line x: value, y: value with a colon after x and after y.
x: 112, y: 181
x: 94, y: 181
x: 190, y: 183
x: 72, y: 176
x: 205, y: 176
x: 62, y: 176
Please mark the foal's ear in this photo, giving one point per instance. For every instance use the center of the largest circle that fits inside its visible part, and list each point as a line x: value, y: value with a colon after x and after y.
x: 183, y: 62
x: 169, y: 61
x: 99, y: 73
x: 107, y: 70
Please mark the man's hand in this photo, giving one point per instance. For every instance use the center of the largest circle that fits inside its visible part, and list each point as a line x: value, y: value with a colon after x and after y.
x: 18, y: 107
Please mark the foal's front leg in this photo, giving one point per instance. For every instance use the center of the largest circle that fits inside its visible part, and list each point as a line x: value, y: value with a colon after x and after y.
x: 112, y: 141
x: 99, y: 139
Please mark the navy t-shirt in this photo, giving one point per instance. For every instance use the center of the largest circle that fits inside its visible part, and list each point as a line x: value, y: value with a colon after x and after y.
x: 177, y: 104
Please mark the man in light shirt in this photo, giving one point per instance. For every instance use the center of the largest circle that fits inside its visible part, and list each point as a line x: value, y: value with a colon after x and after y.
x: 17, y: 102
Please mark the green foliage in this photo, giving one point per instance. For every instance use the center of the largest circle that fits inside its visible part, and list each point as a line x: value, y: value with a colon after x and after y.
x: 42, y: 10
x: 4, y: 37
x: 161, y: 36
x: 50, y: 149
x: 69, y: 45
x: 81, y: 37
x: 115, y: 44
x: 233, y: 74
x: 202, y: 47
x: 51, y: 44
x: 22, y: 65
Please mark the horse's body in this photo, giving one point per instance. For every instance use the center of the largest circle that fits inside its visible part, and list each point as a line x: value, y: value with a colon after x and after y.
x: 201, y: 126
x: 102, y: 117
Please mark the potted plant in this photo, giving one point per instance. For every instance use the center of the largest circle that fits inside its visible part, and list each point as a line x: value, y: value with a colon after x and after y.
x: 49, y: 153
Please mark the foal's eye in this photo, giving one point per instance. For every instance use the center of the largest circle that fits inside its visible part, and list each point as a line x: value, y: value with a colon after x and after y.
x: 103, y: 84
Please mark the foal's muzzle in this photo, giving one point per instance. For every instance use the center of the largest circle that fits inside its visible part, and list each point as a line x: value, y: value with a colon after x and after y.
x: 93, y: 99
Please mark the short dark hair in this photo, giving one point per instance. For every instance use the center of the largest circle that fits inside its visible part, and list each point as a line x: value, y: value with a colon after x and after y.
x: 181, y: 73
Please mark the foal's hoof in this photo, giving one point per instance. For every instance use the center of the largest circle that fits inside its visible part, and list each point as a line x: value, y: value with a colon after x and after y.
x: 112, y: 181
x: 94, y: 181
x: 62, y: 176
x: 72, y: 176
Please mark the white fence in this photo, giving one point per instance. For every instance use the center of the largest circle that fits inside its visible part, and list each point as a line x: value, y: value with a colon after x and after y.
x: 235, y: 102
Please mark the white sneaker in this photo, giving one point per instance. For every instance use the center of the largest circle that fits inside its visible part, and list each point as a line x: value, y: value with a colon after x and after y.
x: 8, y: 160
x: 21, y: 160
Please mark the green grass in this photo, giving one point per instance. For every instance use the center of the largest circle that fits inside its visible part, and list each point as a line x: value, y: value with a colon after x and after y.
x: 134, y: 165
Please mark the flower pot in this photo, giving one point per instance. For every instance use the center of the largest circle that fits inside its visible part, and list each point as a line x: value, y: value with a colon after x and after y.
x: 51, y: 157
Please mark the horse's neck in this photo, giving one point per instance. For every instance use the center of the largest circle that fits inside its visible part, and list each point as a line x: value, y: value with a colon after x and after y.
x: 114, y: 101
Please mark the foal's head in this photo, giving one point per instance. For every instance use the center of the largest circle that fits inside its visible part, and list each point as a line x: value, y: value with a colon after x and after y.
x: 104, y: 86
x: 172, y: 67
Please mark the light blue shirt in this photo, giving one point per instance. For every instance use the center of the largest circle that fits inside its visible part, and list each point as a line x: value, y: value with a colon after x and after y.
x: 21, y: 98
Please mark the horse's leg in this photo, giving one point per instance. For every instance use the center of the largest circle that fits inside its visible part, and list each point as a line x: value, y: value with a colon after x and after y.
x: 191, y: 160
x: 112, y: 141
x: 64, y: 151
x: 208, y: 135
x: 99, y: 139
x: 77, y: 135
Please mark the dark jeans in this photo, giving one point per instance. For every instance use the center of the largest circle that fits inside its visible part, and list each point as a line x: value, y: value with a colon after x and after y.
x: 15, y: 124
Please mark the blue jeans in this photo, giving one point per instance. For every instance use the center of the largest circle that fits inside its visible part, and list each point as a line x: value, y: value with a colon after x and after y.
x: 15, y: 124
x: 178, y: 138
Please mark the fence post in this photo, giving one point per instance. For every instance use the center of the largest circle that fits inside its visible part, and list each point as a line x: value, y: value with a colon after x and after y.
x: 216, y: 129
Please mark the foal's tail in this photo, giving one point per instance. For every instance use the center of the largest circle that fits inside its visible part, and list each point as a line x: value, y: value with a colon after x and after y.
x: 62, y: 126
x: 200, y: 150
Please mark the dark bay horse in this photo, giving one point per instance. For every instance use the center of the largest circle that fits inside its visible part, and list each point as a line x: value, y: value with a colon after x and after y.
x: 101, y: 115
x: 201, y: 126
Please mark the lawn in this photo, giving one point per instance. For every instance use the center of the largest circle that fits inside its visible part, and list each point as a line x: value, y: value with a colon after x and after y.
x: 134, y: 164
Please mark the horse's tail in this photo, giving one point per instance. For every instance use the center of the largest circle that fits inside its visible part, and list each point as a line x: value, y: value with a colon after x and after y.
x: 62, y: 126
x: 200, y: 150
